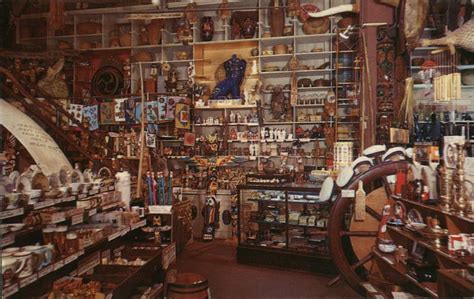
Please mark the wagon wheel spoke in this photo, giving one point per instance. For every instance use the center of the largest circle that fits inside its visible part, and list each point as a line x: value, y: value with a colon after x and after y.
x: 373, y: 213
x: 363, y: 260
x: 366, y: 234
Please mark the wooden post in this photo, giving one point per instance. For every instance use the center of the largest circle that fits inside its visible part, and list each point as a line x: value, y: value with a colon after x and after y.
x: 142, y: 138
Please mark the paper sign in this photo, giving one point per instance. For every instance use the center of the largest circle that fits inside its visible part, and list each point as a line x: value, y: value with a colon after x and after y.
x: 348, y: 193
x: 162, y: 209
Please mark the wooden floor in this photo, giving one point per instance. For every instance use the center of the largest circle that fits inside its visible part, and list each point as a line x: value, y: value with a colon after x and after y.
x: 228, y: 279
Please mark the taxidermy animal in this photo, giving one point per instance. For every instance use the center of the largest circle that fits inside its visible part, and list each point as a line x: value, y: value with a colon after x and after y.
x: 53, y: 83
x: 462, y: 37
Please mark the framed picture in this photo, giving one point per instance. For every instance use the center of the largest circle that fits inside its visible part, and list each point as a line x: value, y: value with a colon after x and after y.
x: 418, y: 251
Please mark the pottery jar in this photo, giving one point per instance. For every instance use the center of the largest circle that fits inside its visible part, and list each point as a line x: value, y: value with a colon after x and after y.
x: 29, y: 260
x: 45, y: 255
x: 11, y: 267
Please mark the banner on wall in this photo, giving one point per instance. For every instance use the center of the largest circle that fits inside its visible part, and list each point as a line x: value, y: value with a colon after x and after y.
x: 39, y: 144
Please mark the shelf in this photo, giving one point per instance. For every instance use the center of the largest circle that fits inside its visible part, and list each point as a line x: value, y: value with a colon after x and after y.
x: 208, y: 125
x: 465, y: 67
x: 225, y: 107
x: 303, y: 202
x: 216, y: 42
x: 301, y: 72
x: 70, y: 262
x: 434, y: 208
x: 389, y: 259
x: 442, y: 251
x: 281, y: 123
x: 244, y: 124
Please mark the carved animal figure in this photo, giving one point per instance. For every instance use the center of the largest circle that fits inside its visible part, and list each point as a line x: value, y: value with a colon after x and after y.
x: 234, y: 71
x: 462, y: 37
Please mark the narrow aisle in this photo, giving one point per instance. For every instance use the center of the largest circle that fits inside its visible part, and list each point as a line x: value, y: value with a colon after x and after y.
x: 228, y: 279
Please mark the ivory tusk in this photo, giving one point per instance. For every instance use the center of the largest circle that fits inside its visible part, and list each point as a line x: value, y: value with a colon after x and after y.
x: 335, y: 10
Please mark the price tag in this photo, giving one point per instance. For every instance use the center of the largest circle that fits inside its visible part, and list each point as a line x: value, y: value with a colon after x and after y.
x: 81, y: 196
x: 348, y: 193
x: 70, y: 258
x: 43, y: 204
x: 10, y: 290
x: 11, y: 213
x: 58, y: 265
x: 7, y: 240
x: 92, y: 212
x: 76, y: 219
x: 28, y: 280
x: 111, y: 188
x: 114, y: 235
x: 104, y: 189
x: 45, y: 271
x: 58, y: 217
x: 68, y: 199
x: 162, y: 209
x: 125, y: 231
x: 138, y: 224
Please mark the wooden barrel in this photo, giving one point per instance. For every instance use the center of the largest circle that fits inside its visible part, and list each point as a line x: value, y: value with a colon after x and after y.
x: 188, y: 286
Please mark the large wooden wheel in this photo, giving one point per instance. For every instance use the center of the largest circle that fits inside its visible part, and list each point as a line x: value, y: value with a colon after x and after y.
x: 351, y: 242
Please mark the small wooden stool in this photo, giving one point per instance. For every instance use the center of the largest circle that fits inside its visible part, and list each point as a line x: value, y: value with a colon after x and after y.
x: 188, y: 286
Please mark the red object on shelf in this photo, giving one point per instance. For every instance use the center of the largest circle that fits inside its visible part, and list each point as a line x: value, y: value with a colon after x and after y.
x: 401, y: 179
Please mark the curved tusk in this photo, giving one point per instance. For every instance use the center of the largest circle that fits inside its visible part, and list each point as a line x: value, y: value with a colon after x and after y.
x: 335, y: 10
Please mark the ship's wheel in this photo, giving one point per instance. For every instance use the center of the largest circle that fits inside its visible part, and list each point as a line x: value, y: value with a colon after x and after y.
x: 351, y: 242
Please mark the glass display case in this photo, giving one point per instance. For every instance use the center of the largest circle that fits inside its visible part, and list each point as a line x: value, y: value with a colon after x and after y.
x: 282, y: 219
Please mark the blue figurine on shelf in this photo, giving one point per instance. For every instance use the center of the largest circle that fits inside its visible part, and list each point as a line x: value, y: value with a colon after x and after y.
x: 234, y: 73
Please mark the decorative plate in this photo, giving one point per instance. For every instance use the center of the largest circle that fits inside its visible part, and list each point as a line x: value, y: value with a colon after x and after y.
x: 64, y: 176
x: 105, y: 173
x: 344, y: 177
x: 76, y: 176
x: 88, y: 175
x: 54, y: 181
x: 327, y: 189
x: 14, y: 176
x: 24, y: 184
x: 414, y: 216
x: 40, y: 181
